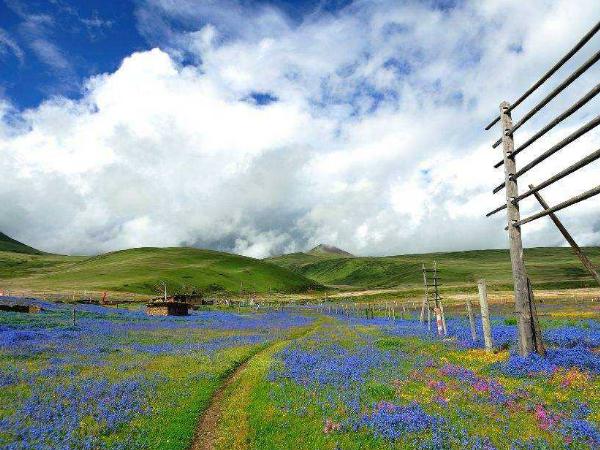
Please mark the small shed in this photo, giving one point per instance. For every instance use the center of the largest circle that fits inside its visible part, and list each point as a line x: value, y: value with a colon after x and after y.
x: 167, y: 308
x: 20, y: 308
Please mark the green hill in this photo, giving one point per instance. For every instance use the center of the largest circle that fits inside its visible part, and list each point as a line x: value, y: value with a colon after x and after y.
x: 549, y: 268
x: 8, y: 244
x: 140, y: 270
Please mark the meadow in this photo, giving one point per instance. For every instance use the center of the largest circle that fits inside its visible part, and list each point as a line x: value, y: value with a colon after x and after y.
x: 141, y: 270
x: 119, y: 379
x: 548, y: 268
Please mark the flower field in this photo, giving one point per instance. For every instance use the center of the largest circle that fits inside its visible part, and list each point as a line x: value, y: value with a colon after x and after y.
x: 120, y: 379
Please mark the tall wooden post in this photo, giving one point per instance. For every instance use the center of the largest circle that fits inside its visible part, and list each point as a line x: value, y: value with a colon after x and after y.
x: 428, y: 318
x: 471, y: 320
x: 485, y: 316
x: 438, y: 299
x: 425, y: 299
x: 523, y: 303
x: 584, y: 259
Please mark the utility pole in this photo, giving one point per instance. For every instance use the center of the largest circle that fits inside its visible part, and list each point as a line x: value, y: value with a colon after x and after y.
x: 529, y: 341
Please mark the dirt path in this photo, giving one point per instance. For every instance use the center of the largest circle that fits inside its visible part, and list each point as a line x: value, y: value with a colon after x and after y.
x: 227, y: 406
x: 206, y: 432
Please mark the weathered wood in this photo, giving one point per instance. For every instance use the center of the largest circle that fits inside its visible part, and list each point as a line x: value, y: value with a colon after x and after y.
x: 558, y: 119
x: 169, y: 308
x: 582, y: 257
x: 572, y: 201
x: 471, y: 320
x: 438, y: 321
x: 552, y: 150
x: 560, y: 175
x: 438, y: 300
x: 429, y: 319
x: 539, y: 345
x: 425, y: 298
x: 485, y: 316
x: 557, y: 90
x: 522, y: 299
x: 551, y: 71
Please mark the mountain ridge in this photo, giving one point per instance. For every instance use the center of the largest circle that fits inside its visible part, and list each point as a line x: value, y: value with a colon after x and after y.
x: 325, y: 249
x: 8, y: 244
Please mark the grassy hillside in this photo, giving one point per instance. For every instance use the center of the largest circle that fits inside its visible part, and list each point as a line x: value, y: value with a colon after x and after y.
x: 549, y: 268
x: 8, y: 244
x: 141, y: 270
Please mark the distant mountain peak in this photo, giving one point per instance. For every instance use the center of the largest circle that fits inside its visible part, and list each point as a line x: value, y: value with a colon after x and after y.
x: 324, y: 249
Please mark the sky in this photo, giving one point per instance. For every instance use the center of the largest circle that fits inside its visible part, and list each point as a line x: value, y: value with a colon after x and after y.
x: 267, y: 127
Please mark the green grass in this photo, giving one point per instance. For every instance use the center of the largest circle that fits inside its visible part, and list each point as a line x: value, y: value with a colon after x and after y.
x: 141, y: 270
x: 8, y: 244
x: 548, y: 268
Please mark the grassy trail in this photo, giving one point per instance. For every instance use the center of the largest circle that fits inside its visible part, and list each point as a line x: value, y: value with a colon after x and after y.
x: 228, y: 407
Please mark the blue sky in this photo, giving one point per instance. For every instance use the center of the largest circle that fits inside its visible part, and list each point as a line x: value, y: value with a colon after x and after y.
x: 262, y: 127
x: 88, y: 37
x: 93, y: 36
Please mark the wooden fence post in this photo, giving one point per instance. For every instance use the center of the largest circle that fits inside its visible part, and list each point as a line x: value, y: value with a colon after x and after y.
x: 425, y: 299
x: 523, y: 308
x: 539, y: 345
x: 438, y: 320
x: 485, y: 316
x: 471, y: 320
x: 73, y: 315
x: 429, y: 319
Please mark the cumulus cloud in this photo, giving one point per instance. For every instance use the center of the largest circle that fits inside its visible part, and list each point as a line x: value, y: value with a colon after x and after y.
x: 253, y: 133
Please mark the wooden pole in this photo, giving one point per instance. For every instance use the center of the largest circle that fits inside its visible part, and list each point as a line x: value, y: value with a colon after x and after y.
x: 523, y: 308
x: 584, y: 259
x: 73, y: 316
x: 485, y: 316
x: 428, y: 318
x: 539, y: 345
x: 438, y: 299
x: 471, y: 320
x: 425, y: 299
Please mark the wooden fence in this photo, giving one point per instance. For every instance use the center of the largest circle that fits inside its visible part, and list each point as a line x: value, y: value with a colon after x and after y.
x: 530, y: 339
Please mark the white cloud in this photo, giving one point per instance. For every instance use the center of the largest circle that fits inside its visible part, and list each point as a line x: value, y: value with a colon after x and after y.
x: 8, y: 43
x: 375, y: 142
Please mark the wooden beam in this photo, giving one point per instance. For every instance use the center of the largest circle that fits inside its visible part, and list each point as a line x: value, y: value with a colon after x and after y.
x: 552, y: 70
x: 523, y: 309
x: 572, y: 201
x: 582, y: 257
